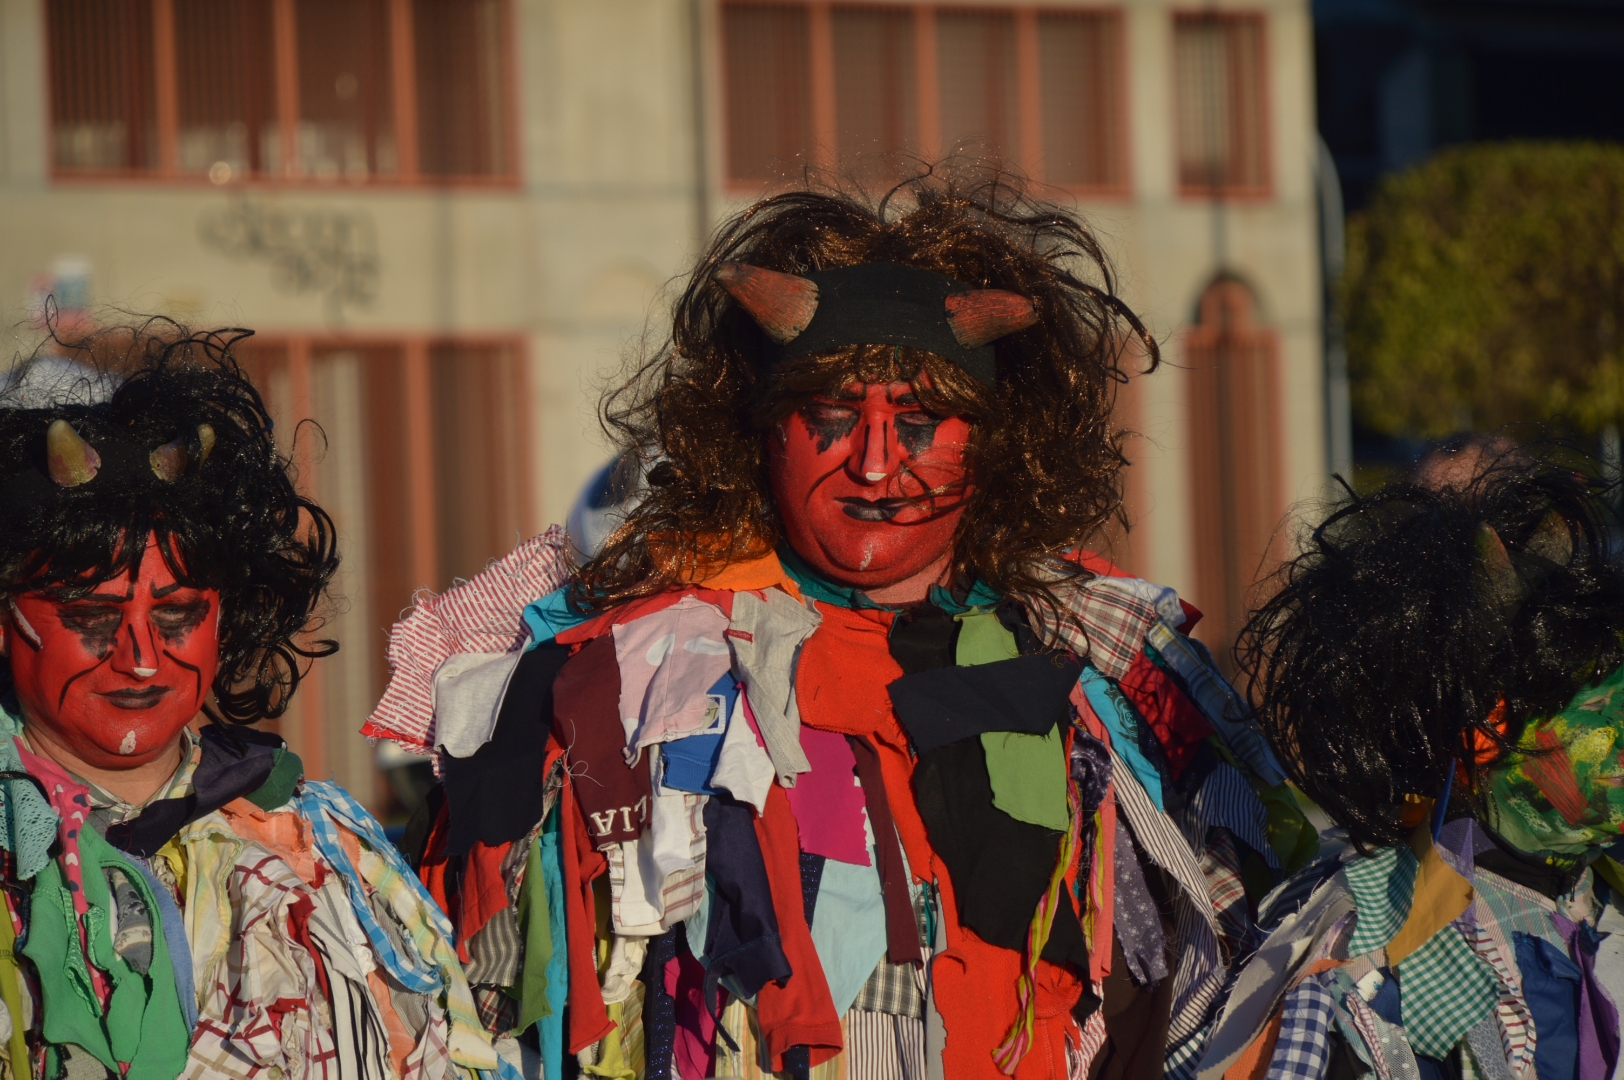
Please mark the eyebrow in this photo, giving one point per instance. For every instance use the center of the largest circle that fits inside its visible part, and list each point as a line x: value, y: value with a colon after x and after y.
x: 110, y: 597
x: 161, y: 591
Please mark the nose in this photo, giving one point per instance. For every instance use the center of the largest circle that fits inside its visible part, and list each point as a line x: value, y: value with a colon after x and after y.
x: 136, y: 653
x: 878, y: 454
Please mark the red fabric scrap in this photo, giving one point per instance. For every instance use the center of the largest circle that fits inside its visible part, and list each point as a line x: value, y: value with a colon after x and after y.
x: 1178, y: 724
x: 801, y: 1012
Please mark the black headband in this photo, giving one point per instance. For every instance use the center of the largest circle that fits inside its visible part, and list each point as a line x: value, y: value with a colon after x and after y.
x: 885, y: 304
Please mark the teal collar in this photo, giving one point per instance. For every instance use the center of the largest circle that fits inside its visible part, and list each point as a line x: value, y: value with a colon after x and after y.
x: 818, y: 587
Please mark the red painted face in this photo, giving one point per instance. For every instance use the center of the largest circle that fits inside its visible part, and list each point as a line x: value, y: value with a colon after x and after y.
x: 870, y: 486
x: 116, y: 674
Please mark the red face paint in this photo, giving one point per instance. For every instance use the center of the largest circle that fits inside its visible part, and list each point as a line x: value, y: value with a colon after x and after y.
x: 870, y: 486
x: 116, y: 674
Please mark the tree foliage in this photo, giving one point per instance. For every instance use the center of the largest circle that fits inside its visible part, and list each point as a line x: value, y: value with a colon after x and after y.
x: 1486, y: 287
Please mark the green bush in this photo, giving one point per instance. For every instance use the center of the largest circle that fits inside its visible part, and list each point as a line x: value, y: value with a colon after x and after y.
x: 1486, y: 287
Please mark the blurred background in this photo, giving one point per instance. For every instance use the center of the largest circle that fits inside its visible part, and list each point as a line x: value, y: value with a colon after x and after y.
x: 1358, y: 227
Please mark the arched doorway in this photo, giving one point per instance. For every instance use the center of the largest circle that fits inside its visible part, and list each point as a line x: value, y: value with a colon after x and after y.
x: 1235, y: 446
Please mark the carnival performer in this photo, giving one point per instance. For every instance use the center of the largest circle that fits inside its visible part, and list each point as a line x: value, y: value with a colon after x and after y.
x: 843, y: 757
x: 1440, y: 672
x: 180, y: 901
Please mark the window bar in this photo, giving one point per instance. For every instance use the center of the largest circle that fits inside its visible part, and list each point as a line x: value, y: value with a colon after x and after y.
x: 820, y: 34
x: 286, y: 52
x: 312, y: 723
x: 164, y: 74
x: 420, y: 465
x: 928, y: 90
x: 403, y: 72
x: 1028, y: 95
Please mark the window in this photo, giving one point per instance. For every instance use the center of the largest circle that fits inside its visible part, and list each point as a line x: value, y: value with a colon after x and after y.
x: 325, y: 90
x: 420, y: 453
x: 1218, y: 67
x: 864, y: 88
x: 1235, y: 448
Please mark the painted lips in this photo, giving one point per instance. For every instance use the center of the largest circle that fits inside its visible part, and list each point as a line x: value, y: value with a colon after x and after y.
x: 133, y: 700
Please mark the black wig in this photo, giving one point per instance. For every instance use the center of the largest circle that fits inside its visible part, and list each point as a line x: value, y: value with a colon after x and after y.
x: 228, y: 516
x: 1419, y: 628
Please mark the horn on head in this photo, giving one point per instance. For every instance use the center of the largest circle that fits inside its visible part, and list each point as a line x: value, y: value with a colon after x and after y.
x: 205, y: 441
x: 781, y: 304
x: 169, y: 461
x: 983, y: 315
x: 70, y: 460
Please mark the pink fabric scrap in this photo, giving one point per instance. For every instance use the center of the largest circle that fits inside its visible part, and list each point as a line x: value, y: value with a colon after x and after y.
x: 668, y: 660
x: 484, y: 614
x: 71, y: 801
x: 827, y: 802
x: 695, y: 1049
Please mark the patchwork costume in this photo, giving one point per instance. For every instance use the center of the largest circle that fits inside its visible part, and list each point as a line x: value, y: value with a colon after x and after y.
x: 1462, y: 918
x: 821, y: 835
x: 242, y: 921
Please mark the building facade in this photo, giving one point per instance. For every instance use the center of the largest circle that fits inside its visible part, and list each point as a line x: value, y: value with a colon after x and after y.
x: 448, y: 222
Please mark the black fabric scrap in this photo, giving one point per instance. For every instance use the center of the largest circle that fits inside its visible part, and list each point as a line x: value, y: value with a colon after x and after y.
x: 999, y: 866
x: 1028, y: 693
x: 235, y: 761
x: 496, y: 794
x: 741, y: 935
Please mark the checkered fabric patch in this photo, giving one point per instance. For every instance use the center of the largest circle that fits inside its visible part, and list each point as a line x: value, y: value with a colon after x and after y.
x: 1383, y: 884
x: 1446, y: 990
x: 1303, y: 1050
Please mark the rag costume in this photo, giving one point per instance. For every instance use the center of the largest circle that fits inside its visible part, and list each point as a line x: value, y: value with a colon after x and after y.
x: 761, y: 824
x: 748, y: 821
x: 1462, y: 917
x: 1460, y: 953
x: 243, y: 921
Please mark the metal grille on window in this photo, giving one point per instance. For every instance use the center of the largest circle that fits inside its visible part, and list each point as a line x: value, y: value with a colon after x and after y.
x: 872, y: 90
x: 769, y: 96
x: 1218, y: 71
x: 323, y: 90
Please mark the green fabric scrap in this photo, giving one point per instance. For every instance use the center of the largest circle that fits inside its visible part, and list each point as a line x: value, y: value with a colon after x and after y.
x: 1028, y: 775
x: 983, y: 639
x: 1445, y: 989
x: 1383, y: 885
x: 144, y: 1024
x: 534, y: 925
x: 279, y: 787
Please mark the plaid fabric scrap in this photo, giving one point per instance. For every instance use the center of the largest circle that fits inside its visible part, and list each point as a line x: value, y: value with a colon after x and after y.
x: 483, y: 614
x: 1107, y: 624
x: 1446, y: 990
x: 1221, y: 863
x: 1303, y: 1049
x: 894, y: 989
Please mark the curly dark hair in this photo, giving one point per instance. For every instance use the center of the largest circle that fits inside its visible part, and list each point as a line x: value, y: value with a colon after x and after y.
x: 1420, y: 627
x: 233, y: 520
x: 1045, y: 456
